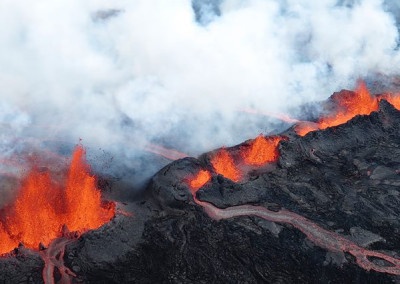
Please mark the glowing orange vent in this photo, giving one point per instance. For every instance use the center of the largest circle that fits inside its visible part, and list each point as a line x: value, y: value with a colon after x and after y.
x: 199, y: 180
x: 261, y: 151
x: 351, y: 104
x: 224, y: 165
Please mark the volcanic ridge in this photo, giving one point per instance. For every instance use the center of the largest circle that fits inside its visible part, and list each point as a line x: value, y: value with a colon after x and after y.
x: 317, y: 203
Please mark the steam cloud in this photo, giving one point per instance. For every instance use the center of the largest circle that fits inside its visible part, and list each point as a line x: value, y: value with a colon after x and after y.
x: 120, y: 74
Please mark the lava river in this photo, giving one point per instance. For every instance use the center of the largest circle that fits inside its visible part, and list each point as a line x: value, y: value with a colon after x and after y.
x: 319, y: 236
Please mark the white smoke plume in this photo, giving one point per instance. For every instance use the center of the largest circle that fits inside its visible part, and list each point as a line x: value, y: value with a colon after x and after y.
x: 121, y: 74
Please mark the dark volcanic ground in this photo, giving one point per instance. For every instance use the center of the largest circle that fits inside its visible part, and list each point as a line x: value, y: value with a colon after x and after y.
x: 345, y: 179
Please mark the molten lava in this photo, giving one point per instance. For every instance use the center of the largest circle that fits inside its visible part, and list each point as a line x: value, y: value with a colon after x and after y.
x: 350, y: 104
x: 224, y: 165
x: 33, y: 217
x: 304, y: 127
x: 261, y: 151
x: 394, y: 99
x: 347, y: 105
x: 7, y: 244
x: 202, y: 177
x: 43, y: 206
x: 83, y: 200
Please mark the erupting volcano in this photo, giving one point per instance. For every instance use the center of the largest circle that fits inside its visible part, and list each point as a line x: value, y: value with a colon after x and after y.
x: 281, y: 208
x: 45, y: 203
x: 230, y: 141
x: 265, y: 149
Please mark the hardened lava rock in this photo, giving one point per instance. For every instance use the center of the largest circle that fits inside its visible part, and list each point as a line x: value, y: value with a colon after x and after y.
x: 21, y: 266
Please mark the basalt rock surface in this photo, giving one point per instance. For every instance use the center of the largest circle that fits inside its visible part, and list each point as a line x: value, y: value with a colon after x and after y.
x: 345, y: 179
x: 21, y: 266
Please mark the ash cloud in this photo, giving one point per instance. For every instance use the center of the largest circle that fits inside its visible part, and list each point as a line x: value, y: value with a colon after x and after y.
x: 123, y: 74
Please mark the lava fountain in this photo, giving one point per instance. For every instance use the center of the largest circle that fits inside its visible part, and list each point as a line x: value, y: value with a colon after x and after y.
x: 347, y: 105
x: 46, y: 204
x: 255, y: 153
x: 262, y: 150
x: 224, y: 164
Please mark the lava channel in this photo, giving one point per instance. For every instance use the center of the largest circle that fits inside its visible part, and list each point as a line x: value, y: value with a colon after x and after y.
x: 319, y: 236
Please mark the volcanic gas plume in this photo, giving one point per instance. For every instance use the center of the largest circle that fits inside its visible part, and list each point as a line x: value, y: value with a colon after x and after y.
x: 45, y: 204
x: 90, y: 70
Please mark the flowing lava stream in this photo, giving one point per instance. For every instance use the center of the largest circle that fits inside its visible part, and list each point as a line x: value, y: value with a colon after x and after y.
x: 53, y: 258
x: 167, y: 153
x: 281, y: 116
x: 323, y: 238
x: 46, y: 208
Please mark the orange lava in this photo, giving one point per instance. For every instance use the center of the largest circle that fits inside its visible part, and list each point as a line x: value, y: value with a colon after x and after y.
x: 7, y: 244
x: 199, y: 180
x: 394, y: 99
x: 261, y: 151
x: 304, y: 127
x: 85, y: 208
x: 43, y: 206
x: 224, y: 165
x: 348, y: 105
